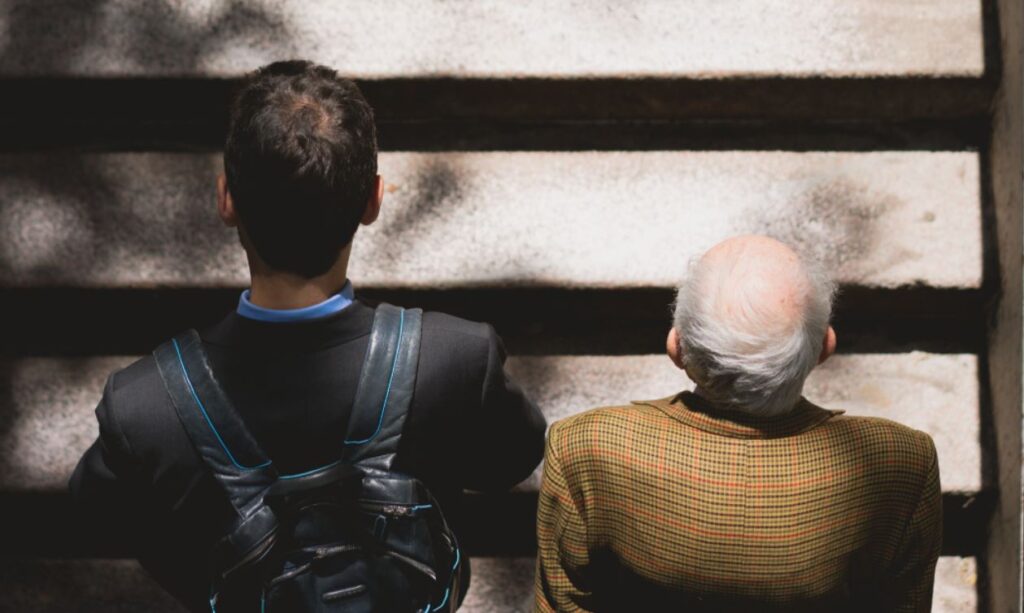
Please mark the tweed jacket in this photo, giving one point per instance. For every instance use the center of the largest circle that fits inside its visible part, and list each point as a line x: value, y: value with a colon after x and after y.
x: 675, y: 505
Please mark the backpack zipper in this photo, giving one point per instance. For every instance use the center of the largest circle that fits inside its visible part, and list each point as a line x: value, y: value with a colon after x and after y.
x: 256, y: 552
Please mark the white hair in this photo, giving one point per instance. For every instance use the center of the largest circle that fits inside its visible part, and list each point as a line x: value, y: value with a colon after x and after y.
x: 745, y: 359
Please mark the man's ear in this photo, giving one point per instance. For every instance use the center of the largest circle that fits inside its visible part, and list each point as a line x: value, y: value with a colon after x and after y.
x: 673, y: 349
x: 225, y: 205
x: 373, y: 206
x: 828, y: 345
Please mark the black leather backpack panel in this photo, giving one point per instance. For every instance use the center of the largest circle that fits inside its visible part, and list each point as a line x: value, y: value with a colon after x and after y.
x: 353, y: 536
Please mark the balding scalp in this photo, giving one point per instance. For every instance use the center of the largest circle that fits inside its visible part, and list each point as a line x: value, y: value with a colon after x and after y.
x: 751, y: 316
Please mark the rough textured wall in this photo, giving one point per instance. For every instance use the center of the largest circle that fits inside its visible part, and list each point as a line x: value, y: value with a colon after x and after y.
x: 1005, y: 544
x: 565, y: 38
x: 563, y: 219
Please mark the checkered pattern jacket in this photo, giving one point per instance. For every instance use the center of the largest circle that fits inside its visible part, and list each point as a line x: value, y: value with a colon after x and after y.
x: 674, y: 505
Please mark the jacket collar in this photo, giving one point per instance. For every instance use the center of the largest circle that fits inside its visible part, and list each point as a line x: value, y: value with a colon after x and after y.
x: 332, y: 306
x: 308, y: 336
x: 697, y: 412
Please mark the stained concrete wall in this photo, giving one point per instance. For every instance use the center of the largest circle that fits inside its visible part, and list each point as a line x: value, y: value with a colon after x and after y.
x: 51, y: 424
x: 566, y: 219
x: 566, y: 38
x: 500, y: 585
x: 50, y: 401
x: 1007, y: 155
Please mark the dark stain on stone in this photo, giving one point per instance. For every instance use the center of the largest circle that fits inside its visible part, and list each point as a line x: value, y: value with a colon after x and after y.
x: 7, y: 406
x: 114, y: 222
x: 117, y: 216
x: 426, y: 198
x: 163, y: 32
x: 155, y: 35
x: 835, y: 222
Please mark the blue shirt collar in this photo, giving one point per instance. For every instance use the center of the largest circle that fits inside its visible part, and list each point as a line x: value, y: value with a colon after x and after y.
x: 335, y: 304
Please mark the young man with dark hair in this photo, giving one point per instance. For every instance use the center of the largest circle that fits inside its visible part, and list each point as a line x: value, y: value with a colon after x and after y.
x: 300, y: 177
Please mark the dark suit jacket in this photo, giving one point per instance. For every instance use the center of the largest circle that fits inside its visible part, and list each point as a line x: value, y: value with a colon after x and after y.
x: 141, y: 482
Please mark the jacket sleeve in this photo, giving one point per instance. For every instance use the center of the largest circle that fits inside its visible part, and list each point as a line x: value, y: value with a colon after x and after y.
x: 562, y: 549
x: 104, y: 484
x: 913, y: 573
x: 505, y: 435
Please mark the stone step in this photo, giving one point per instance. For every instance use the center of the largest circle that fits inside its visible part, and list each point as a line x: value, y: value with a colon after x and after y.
x: 45, y: 524
x: 567, y: 219
x: 934, y: 393
x: 49, y: 421
x: 532, y: 321
x: 499, y: 585
x: 537, y: 114
x: 700, y: 39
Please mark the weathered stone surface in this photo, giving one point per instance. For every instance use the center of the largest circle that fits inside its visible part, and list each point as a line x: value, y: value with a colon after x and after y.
x: 956, y: 585
x: 1006, y: 533
x: 93, y: 586
x: 48, y: 419
x: 499, y: 585
x: 568, y: 38
x: 937, y: 394
x: 586, y: 219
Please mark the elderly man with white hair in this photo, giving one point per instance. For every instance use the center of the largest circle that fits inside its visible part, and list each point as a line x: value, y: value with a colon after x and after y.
x: 741, y: 495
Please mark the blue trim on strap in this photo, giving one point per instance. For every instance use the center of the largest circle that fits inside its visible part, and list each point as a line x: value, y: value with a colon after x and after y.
x: 391, y: 378
x: 335, y: 304
x: 209, y: 421
x: 447, y: 591
x: 310, y: 471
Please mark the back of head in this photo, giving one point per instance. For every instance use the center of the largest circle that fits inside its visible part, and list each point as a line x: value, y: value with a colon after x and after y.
x: 751, y: 317
x: 301, y: 163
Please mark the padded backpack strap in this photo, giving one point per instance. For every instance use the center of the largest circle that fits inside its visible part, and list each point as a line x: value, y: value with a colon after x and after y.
x: 215, y: 428
x: 385, y: 389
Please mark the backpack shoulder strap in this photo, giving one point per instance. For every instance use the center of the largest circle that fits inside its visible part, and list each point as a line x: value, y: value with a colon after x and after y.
x: 215, y: 428
x: 386, y: 385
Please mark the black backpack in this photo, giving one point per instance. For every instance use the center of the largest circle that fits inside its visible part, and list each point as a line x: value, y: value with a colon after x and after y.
x: 351, y: 536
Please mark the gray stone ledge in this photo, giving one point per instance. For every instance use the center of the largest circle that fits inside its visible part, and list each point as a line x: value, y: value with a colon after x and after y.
x: 573, y: 219
x: 934, y: 393
x: 499, y: 585
x: 565, y: 38
x: 48, y: 422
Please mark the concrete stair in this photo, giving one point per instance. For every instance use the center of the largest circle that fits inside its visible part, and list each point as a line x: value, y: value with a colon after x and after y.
x: 500, y: 585
x: 562, y: 39
x: 50, y: 402
x: 879, y: 219
x: 51, y: 425
x: 550, y: 167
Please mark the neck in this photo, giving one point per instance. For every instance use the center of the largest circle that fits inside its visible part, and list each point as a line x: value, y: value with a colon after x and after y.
x: 699, y: 391
x: 272, y: 289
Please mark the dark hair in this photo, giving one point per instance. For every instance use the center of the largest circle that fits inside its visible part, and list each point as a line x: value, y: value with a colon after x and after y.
x: 300, y: 160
